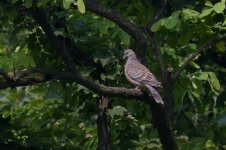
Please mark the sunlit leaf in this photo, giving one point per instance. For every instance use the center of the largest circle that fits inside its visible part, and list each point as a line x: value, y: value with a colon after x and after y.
x: 193, y: 46
x: 173, y: 20
x: 205, y: 12
x: 156, y: 26
x: 67, y: 3
x: 208, y: 3
x: 219, y: 7
x: 193, y: 64
x: 214, y: 82
x: 81, y: 6
x: 190, y: 14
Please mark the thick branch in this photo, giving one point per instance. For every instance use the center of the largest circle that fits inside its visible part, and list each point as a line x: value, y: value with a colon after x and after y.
x: 58, y: 45
x: 68, y: 76
x: 192, y: 56
x: 125, y: 24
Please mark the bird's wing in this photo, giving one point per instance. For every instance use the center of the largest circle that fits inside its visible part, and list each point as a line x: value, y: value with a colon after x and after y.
x: 139, y: 73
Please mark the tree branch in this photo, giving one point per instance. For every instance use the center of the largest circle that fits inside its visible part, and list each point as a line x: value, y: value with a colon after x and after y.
x: 125, y: 24
x: 70, y: 76
x: 39, y: 15
x: 161, y: 10
x: 157, y: 52
x: 153, y: 41
x: 192, y: 56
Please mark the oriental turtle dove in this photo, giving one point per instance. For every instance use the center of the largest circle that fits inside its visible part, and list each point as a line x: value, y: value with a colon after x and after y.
x: 140, y: 76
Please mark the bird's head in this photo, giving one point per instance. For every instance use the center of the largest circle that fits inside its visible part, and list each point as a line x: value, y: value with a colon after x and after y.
x: 129, y: 54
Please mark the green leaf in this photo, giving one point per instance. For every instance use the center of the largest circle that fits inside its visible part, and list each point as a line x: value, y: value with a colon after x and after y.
x: 28, y: 3
x: 81, y: 6
x: 102, y: 76
x: 155, y: 27
x: 86, y: 70
x: 173, y: 20
x: 214, y: 82
x: 224, y: 23
x: 189, y: 14
x: 119, y: 110
x: 192, y: 46
x: 105, y: 61
x: 67, y: 3
x: 193, y: 64
x: 208, y: 3
x: 220, y: 46
x: 219, y: 7
x: 205, y: 12
x: 6, y: 114
x: 103, y: 26
x: 201, y: 75
x: 170, y: 51
x: 210, y: 144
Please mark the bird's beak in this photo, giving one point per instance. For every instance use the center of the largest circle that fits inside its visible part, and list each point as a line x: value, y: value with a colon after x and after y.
x: 124, y: 57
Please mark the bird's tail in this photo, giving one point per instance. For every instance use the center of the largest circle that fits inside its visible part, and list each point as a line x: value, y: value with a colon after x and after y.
x: 155, y: 94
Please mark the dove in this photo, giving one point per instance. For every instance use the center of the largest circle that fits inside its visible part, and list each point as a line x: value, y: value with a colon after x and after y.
x: 139, y: 75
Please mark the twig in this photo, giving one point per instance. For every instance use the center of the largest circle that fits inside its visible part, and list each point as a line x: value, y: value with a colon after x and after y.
x: 153, y: 41
x: 157, y: 16
x: 192, y: 56
x: 27, y: 72
x: 157, y: 52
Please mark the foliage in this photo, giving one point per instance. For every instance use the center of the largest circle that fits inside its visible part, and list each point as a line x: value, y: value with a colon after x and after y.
x: 57, y: 114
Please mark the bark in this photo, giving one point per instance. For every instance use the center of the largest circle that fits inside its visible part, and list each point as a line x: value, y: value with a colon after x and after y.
x: 103, y: 125
x: 162, y: 123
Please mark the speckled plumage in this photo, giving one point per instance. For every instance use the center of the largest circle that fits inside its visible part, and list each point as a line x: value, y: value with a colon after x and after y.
x: 140, y: 76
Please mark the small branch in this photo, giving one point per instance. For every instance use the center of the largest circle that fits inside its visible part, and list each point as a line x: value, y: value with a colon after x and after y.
x: 153, y: 41
x: 157, y: 52
x: 164, y: 5
x: 192, y: 56
x: 161, y: 10
x: 27, y: 72
x: 125, y: 24
x: 22, y: 82
x: 188, y: 120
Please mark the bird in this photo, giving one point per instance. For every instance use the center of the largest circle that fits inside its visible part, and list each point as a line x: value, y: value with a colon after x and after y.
x: 139, y: 75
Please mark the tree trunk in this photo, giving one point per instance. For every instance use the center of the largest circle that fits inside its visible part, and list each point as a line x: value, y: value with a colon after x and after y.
x: 103, y: 127
x: 162, y: 123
